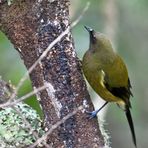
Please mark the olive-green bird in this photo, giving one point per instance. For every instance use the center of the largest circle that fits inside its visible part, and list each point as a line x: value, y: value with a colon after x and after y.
x: 107, y: 74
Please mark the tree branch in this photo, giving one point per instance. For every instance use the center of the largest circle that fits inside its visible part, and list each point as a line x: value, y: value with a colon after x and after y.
x: 32, y: 26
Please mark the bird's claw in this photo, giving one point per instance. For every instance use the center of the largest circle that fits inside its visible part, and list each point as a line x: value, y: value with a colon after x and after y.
x: 92, y: 114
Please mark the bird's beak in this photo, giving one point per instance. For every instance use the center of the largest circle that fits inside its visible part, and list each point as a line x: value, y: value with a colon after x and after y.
x: 91, y: 33
x: 88, y: 29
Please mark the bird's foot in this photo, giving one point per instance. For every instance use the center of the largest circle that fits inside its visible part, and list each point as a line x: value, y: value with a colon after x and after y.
x: 92, y: 114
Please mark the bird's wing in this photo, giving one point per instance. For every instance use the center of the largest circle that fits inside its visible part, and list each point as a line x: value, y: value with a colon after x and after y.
x: 124, y: 93
x: 119, y: 91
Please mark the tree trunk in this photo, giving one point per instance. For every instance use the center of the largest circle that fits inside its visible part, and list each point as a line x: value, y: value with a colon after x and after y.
x: 31, y: 25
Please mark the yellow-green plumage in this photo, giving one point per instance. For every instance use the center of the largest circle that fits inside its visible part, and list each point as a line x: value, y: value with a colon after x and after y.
x: 107, y: 74
x: 97, y: 65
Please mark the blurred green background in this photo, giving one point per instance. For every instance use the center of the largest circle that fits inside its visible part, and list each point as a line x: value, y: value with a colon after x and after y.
x: 126, y: 24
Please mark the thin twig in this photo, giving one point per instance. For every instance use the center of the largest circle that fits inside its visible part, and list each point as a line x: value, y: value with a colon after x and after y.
x: 81, y: 15
x: 37, y: 61
x: 12, y: 103
x: 53, y: 127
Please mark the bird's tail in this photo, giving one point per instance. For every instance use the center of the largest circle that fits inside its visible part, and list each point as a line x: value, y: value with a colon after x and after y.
x: 131, y: 125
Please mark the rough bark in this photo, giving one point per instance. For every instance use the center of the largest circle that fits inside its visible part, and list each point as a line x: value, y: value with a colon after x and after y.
x: 31, y: 25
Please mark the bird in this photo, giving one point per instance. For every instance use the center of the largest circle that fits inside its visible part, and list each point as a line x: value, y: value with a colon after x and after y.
x: 107, y: 74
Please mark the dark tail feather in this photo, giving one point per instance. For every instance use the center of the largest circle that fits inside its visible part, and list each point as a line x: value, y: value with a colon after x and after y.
x: 131, y: 125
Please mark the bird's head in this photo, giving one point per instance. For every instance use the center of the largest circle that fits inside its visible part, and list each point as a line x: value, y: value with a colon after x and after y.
x: 98, y: 40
